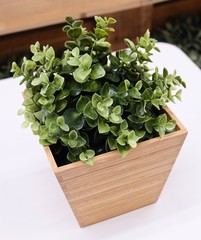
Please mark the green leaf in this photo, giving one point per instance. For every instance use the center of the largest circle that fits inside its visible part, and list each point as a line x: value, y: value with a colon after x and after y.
x: 111, y: 143
x: 81, y: 75
x: 30, y: 65
x: 102, y: 44
x: 20, y: 112
x: 115, y: 118
x: 86, y: 41
x: 71, y: 157
x: 81, y: 103
x: 70, y: 45
x: 90, y: 162
x: 58, y: 81
x: 81, y: 141
x: 170, y: 125
x: 28, y: 93
x: 61, y: 123
x: 77, y: 23
x: 74, y: 32
x: 114, y: 130
x: 117, y: 110
x: 16, y: 70
x: 147, y: 34
x: 103, y: 127
x: 54, y: 129
x: 44, y: 89
x: 39, y: 56
x: 123, y: 86
x: 60, y: 105
x: 178, y: 94
x: 69, y: 20
x: 43, y: 132
x: 73, y: 135
x: 161, y: 131
x: 85, y: 61
x: 139, y: 134
x: 29, y: 116
x: 50, y: 118
x: 40, y: 116
x: 156, y: 103
x: 52, y: 140
x: 73, y: 62
x: 122, y: 140
x: 139, y: 85
x: 100, y: 33
x: 92, y: 86
x: 90, y: 112
x: 92, y: 122
x: 124, y: 125
x: 50, y: 53
x: 35, y: 47
x: 87, y: 156
x: 112, y: 77
x: 111, y: 20
x: 72, y: 143
x: 50, y: 108
x: 129, y: 43
x: 76, y: 52
x: 73, y: 118
x: 65, y: 139
x: 132, y: 139
x: 134, y: 93
x: 44, y: 142
x: 43, y: 101
x: 127, y: 56
x: 149, y: 126
x: 143, y: 42
x: 96, y: 99
x: 35, y: 126
x: 107, y: 102
x: 123, y: 150
x: 25, y: 124
x: 147, y: 94
x: 162, y: 120
x: 97, y: 71
x: 114, y: 61
x: 36, y: 81
x: 102, y: 110
x: 63, y: 94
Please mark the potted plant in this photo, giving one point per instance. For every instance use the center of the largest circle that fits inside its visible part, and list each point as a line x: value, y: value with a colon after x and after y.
x: 107, y: 109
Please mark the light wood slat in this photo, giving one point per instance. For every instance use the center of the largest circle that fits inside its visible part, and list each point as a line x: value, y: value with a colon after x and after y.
x: 96, y: 183
x: 117, y: 208
x: 121, y: 186
x: 139, y: 166
x: 22, y: 15
x: 117, y: 199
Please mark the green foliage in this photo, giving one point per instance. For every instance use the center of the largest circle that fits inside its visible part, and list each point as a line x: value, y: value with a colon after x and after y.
x: 91, y: 100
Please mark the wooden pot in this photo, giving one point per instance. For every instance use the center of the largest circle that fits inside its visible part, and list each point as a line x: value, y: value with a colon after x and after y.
x: 116, y: 185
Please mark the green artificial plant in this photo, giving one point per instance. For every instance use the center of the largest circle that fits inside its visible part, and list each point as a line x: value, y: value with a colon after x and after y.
x: 92, y: 100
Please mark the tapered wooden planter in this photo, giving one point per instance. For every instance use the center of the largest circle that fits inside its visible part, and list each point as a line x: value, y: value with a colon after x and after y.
x: 116, y: 185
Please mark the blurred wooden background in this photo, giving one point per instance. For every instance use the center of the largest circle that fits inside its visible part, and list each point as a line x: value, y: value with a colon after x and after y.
x: 25, y: 22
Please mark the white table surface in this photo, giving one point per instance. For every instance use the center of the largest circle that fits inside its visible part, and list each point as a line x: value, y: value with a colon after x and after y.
x: 32, y: 205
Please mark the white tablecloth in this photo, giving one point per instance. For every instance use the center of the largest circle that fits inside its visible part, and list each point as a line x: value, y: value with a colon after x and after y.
x: 33, y: 207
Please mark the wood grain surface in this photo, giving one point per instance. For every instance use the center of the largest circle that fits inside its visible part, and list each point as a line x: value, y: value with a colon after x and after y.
x: 24, y: 15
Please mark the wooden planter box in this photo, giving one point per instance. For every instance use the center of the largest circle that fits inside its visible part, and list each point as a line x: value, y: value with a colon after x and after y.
x: 116, y: 185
